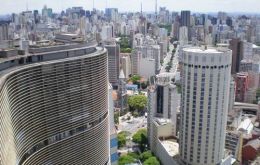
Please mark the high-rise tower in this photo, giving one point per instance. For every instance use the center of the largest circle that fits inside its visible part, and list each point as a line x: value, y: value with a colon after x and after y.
x: 54, y: 104
x: 185, y: 18
x: 205, y: 83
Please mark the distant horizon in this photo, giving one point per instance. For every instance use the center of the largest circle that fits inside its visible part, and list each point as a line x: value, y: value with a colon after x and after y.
x: 149, y: 12
x: 198, y: 6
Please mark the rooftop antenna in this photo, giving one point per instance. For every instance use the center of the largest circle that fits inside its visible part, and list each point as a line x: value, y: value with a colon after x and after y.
x: 93, y: 5
x: 106, y: 3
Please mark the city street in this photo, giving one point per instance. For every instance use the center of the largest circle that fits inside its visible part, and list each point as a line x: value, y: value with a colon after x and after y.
x: 168, y: 58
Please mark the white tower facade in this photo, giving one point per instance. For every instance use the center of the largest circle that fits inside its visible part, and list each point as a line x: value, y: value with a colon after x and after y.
x: 183, y: 36
x: 205, y: 83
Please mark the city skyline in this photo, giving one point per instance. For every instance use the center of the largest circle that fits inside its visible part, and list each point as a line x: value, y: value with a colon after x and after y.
x: 251, y: 6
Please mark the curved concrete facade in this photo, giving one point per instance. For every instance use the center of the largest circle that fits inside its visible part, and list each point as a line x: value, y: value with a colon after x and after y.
x: 56, y: 111
x: 204, y: 105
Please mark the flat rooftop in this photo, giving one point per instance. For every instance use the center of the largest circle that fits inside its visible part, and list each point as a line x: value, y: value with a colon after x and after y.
x: 171, y: 146
x: 162, y: 121
x: 208, y: 50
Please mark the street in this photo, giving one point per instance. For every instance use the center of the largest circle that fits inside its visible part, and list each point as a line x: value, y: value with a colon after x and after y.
x: 168, y: 58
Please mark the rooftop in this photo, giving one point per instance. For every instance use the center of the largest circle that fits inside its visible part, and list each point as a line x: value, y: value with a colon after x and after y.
x: 171, y: 147
x: 246, y: 126
x: 162, y: 121
x: 206, y: 50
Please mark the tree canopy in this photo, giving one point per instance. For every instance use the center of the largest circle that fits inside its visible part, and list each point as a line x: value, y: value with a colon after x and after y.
x: 121, y: 137
x: 151, y: 161
x: 140, y: 137
x: 135, y: 78
x: 146, y: 155
x: 137, y: 102
x: 126, y: 50
x: 126, y: 159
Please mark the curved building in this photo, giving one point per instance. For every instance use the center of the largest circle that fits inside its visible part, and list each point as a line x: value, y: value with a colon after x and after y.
x: 54, y: 106
x: 205, y: 84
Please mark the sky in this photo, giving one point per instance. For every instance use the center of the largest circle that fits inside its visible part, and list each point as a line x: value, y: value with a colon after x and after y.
x: 252, y: 6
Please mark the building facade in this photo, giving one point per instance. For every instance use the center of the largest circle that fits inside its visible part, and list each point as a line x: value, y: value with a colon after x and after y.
x: 205, y: 79
x: 163, y: 106
x: 236, y: 46
x: 54, y: 106
x: 242, y: 85
x: 113, y: 50
x: 185, y: 18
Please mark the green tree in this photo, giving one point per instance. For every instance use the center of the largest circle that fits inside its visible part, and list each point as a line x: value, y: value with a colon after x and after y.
x: 152, y: 161
x: 138, y: 102
x: 140, y: 137
x: 121, y: 137
x: 135, y: 78
x: 135, y: 114
x: 116, y: 117
x: 134, y: 155
x: 126, y: 159
x: 146, y: 155
x: 125, y: 50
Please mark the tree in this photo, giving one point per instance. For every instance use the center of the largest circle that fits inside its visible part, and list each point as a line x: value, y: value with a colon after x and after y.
x: 138, y: 102
x: 135, y: 78
x: 146, y: 155
x: 121, y: 137
x: 116, y: 117
x: 152, y: 161
x: 140, y: 137
x: 125, y: 50
x: 126, y: 159
x: 135, y: 114
x: 134, y: 155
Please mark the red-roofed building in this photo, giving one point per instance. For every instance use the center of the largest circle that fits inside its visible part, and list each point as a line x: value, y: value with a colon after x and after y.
x: 250, y: 150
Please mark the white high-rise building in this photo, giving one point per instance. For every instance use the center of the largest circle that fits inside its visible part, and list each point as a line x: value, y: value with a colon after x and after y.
x: 146, y: 60
x: 163, y: 109
x: 183, y: 36
x: 107, y: 32
x: 126, y: 65
x: 206, y: 75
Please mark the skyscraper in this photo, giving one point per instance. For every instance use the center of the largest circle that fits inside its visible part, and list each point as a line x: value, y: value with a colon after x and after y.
x: 4, y: 31
x: 54, y: 104
x: 185, y: 18
x: 163, y: 109
x: 236, y: 46
x: 204, y: 104
x: 113, y: 50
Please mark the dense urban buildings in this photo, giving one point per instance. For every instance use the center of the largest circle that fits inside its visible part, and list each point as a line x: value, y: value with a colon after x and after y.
x: 204, y: 104
x: 80, y: 84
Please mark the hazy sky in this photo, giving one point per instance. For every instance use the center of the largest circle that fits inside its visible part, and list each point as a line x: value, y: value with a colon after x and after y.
x: 9, y: 6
